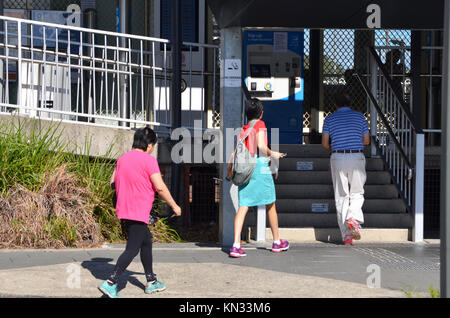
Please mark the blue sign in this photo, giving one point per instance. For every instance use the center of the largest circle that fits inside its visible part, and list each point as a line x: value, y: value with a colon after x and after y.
x: 275, y: 62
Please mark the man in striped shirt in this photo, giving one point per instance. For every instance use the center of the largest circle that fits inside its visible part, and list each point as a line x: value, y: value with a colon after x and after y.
x: 349, y: 133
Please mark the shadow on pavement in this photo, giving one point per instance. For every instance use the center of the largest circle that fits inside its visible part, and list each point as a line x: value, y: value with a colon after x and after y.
x: 101, y: 268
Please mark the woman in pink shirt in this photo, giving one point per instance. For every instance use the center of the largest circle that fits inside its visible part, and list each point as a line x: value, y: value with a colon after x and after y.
x: 137, y: 178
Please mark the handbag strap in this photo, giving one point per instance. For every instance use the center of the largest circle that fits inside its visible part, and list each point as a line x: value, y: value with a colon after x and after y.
x: 249, y: 130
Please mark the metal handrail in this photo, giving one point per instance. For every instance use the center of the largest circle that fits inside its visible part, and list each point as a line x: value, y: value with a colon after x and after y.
x: 386, y: 75
x: 383, y: 119
x: 391, y: 120
x: 101, y: 77
x: 85, y: 30
x: 397, y: 137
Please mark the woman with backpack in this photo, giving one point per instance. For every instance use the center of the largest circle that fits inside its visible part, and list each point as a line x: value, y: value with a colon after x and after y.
x: 260, y: 190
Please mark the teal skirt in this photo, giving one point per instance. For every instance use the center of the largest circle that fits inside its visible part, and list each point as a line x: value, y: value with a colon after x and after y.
x: 260, y: 190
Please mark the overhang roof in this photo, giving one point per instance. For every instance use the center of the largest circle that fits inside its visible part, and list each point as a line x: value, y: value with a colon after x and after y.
x: 345, y: 14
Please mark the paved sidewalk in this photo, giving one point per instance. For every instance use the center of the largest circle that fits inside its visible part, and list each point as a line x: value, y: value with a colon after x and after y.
x: 198, y: 271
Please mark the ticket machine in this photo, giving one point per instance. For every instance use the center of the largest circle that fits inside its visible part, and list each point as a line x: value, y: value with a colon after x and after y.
x: 273, y: 69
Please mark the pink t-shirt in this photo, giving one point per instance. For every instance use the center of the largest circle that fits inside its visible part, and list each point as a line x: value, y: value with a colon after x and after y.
x: 134, y: 189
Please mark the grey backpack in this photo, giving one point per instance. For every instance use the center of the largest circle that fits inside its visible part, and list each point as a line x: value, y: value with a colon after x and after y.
x: 243, y: 162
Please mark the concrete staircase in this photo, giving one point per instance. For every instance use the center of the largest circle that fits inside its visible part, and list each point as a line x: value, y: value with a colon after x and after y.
x: 305, y: 199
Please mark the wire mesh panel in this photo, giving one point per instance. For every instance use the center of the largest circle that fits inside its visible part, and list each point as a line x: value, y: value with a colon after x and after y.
x: 432, y: 202
x: 203, y: 195
x: 344, y: 52
x: 307, y: 101
x: 394, y: 50
x: 60, y: 5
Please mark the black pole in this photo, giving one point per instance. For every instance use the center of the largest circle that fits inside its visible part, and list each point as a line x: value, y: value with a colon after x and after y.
x: 445, y: 160
x: 315, y: 71
x: 176, y: 47
x: 416, y: 52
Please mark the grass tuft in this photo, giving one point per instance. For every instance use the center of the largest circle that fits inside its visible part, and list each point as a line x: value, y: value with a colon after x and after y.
x: 50, y: 197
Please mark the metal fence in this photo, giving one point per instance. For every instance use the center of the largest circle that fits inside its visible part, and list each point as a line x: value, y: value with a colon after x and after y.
x: 344, y: 52
x: 203, y: 194
x: 393, y: 130
x: 399, y: 141
x: 431, y: 81
x: 432, y: 204
x: 39, y: 4
x: 98, y: 77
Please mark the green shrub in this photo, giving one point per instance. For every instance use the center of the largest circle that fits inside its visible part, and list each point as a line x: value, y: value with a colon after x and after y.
x: 30, y: 156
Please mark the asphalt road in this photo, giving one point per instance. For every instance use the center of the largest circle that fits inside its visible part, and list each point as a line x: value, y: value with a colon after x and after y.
x: 194, y: 270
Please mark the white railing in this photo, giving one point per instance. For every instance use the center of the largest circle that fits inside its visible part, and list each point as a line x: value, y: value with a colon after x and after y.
x: 101, y: 78
x: 398, y: 139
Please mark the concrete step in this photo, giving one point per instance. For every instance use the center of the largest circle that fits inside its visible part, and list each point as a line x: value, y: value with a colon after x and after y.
x: 324, y: 177
x: 308, y: 151
x: 322, y: 191
x: 332, y: 235
x: 328, y: 220
x: 322, y: 164
x: 323, y: 205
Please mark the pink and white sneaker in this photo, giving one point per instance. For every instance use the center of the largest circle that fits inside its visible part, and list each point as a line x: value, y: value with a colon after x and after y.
x: 278, y: 248
x: 237, y: 252
x: 348, y: 241
x: 353, y: 226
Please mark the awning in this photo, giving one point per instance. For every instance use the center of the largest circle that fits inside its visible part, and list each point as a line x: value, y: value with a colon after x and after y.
x: 340, y: 14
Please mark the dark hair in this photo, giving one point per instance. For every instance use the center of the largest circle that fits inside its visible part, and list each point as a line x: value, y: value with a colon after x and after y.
x: 144, y: 137
x: 253, y: 109
x: 342, y: 100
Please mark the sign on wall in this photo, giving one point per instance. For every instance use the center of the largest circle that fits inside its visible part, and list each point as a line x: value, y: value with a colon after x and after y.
x: 233, y: 73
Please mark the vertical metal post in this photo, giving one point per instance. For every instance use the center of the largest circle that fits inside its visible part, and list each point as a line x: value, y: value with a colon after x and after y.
x: 19, y: 64
x: 261, y: 224
x: 3, y: 64
x: 124, y: 7
x: 90, y: 17
x: 445, y: 160
x: 416, y: 51
x: 315, y: 55
x: 419, y: 188
x: 231, y: 101
x: 373, y: 113
x: 175, y: 98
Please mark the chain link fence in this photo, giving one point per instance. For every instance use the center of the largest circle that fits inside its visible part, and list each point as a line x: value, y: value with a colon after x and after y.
x: 59, y: 5
x: 344, y: 52
x: 203, y: 195
x: 307, y: 97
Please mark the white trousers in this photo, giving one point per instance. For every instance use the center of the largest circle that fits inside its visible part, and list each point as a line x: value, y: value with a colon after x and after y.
x: 348, y: 172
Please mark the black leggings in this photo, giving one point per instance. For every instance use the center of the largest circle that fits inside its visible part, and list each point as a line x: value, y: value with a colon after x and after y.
x: 139, y: 239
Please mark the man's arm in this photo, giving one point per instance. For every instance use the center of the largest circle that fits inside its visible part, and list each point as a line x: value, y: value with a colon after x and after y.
x: 366, y: 139
x: 326, y: 141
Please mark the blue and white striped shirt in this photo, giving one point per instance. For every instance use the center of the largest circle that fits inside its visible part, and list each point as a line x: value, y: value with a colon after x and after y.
x: 346, y: 128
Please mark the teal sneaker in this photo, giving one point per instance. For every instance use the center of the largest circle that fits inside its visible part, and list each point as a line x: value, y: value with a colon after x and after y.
x: 157, y: 286
x: 108, y: 290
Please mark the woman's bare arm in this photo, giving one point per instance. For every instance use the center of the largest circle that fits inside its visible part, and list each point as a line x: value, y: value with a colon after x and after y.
x: 164, y: 192
x: 263, y: 148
